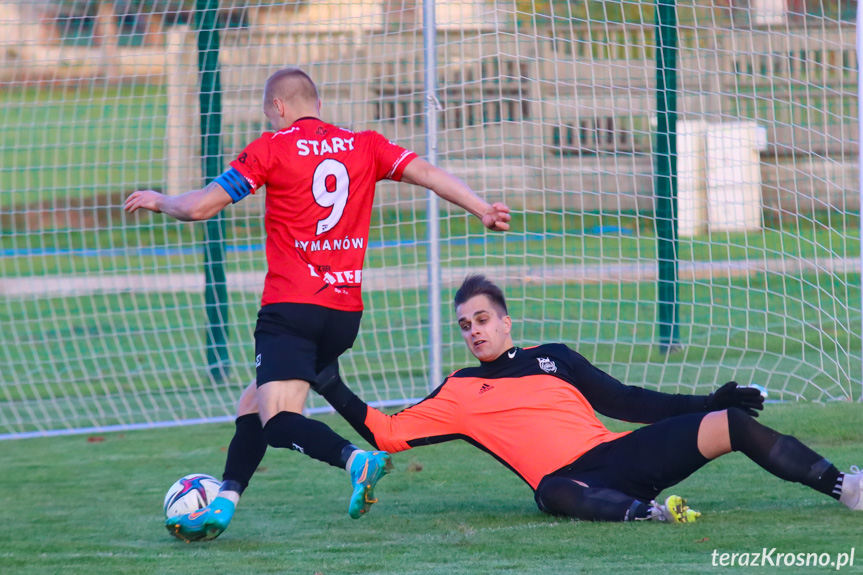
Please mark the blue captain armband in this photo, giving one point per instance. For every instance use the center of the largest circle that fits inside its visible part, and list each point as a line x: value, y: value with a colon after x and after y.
x: 235, y: 184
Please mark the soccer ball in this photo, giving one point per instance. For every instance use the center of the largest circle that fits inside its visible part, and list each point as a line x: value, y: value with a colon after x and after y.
x: 191, y: 493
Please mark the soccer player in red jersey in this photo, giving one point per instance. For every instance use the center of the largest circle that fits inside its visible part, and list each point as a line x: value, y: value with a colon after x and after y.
x: 533, y: 410
x: 320, y: 183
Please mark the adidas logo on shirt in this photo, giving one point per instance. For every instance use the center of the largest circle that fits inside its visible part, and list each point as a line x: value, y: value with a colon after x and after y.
x: 485, y: 387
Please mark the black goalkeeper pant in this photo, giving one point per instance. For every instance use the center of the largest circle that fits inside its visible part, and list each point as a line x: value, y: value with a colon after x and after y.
x: 615, y: 480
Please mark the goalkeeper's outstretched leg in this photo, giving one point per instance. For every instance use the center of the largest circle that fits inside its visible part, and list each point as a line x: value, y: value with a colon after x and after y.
x: 784, y: 456
x: 572, y: 498
x: 621, y: 480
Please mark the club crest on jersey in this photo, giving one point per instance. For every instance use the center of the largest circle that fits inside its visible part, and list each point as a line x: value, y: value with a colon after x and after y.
x: 547, y: 365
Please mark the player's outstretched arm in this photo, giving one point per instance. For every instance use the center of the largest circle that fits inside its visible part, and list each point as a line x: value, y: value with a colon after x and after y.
x: 425, y: 423
x: 189, y: 207
x: 612, y: 398
x: 493, y: 216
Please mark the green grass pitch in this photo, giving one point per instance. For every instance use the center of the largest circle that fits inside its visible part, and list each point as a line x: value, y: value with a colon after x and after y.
x: 88, y: 505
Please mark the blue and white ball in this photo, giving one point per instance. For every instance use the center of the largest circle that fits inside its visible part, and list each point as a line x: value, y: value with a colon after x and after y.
x: 191, y: 493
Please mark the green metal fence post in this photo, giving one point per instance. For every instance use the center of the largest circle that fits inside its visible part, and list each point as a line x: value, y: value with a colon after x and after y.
x: 666, y: 173
x: 216, y: 291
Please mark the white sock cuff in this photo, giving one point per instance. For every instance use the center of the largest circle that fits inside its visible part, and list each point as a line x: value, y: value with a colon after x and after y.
x: 231, y: 496
x: 351, y: 459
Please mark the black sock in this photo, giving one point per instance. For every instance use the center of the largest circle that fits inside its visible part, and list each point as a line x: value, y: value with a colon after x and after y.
x: 638, y: 510
x: 782, y: 455
x: 346, y: 453
x: 563, y: 496
x: 245, y: 453
x: 305, y: 435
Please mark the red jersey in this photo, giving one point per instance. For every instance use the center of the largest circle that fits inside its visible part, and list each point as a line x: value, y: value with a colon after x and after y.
x: 320, y: 186
x: 533, y: 409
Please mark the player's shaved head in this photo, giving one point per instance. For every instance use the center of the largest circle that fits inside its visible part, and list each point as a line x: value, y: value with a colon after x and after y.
x: 293, y: 87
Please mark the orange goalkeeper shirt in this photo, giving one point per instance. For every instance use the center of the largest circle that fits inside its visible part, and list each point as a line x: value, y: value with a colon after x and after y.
x: 532, y: 409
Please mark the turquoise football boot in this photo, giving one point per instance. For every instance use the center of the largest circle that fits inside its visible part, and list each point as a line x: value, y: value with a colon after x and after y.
x: 367, y: 468
x: 204, y: 524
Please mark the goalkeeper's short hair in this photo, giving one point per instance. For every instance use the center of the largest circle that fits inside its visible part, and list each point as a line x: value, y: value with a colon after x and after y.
x: 477, y: 284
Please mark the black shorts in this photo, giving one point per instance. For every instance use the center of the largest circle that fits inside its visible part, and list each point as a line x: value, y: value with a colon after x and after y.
x: 644, y: 462
x: 298, y: 340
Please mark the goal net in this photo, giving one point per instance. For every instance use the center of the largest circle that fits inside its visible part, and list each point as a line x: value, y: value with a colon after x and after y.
x: 550, y: 106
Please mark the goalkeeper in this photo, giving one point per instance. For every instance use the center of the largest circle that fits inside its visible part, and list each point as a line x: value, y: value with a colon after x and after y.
x: 533, y: 410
